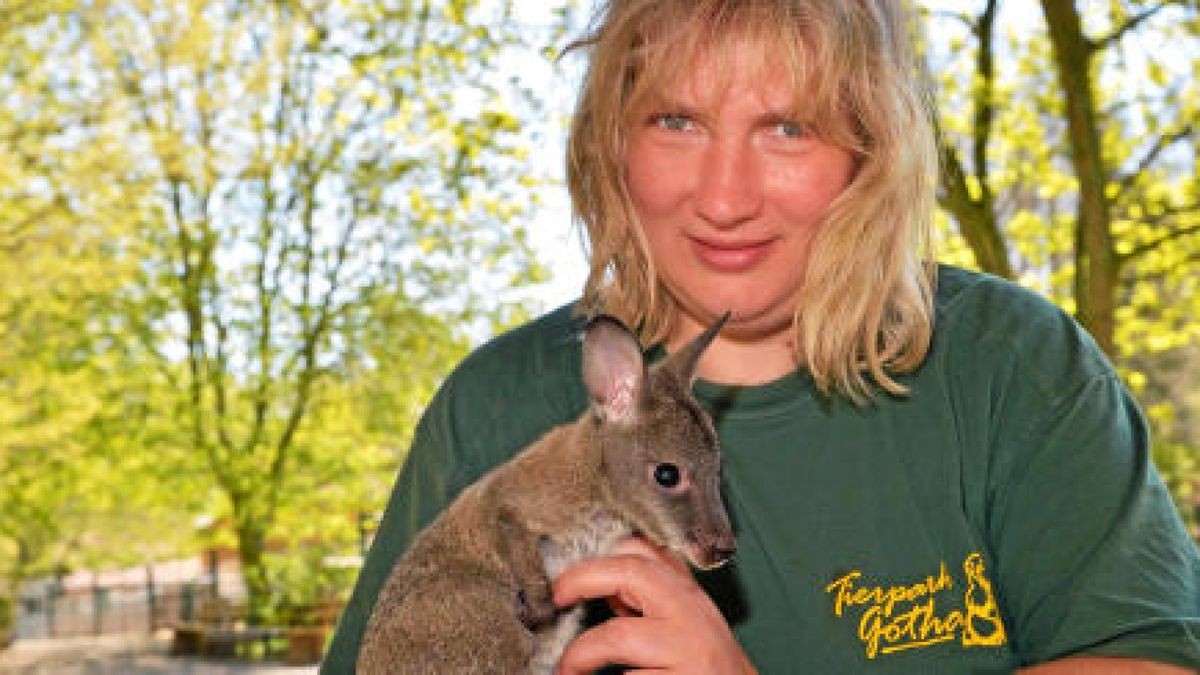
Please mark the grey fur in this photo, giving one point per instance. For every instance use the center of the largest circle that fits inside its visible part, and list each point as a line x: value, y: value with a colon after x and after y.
x: 472, y: 594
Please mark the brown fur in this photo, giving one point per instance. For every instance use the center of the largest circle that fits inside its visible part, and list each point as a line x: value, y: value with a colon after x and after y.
x: 472, y: 594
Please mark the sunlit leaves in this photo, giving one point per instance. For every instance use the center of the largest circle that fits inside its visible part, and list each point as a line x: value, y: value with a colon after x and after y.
x: 1142, y: 72
x: 239, y: 244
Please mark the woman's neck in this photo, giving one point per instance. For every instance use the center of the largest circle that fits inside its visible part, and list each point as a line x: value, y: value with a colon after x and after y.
x: 743, y: 362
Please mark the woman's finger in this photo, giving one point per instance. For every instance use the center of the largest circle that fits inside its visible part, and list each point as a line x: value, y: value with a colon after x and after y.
x: 646, y: 643
x: 644, y: 585
x: 639, y: 546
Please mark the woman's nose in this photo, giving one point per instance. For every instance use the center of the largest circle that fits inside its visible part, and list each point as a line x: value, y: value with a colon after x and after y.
x: 729, y: 190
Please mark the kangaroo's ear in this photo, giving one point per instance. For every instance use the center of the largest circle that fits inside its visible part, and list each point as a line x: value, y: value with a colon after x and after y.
x: 613, y: 369
x: 683, y: 362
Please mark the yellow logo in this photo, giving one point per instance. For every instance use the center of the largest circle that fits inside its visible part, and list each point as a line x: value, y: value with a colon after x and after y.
x: 899, y: 617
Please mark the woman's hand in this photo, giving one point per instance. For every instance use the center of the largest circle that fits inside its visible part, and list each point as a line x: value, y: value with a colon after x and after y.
x: 665, y: 622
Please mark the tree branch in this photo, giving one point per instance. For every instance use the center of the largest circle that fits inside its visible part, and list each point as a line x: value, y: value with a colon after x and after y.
x: 268, y: 293
x: 308, y: 374
x: 1147, y: 247
x: 984, y: 108
x: 976, y: 213
x: 1119, y: 32
x: 1160, y: 144
x: 11, y: 234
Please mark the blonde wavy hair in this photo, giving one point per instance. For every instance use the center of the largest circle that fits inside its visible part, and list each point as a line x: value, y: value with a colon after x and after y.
x: 865, y: 309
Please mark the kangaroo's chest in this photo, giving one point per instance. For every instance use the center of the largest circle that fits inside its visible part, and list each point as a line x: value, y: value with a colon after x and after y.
x: 595, y: 535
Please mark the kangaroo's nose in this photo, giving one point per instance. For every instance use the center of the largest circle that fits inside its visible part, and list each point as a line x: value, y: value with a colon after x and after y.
x: 717, y: 548
x: 724, y: 554
x: 723, y: 551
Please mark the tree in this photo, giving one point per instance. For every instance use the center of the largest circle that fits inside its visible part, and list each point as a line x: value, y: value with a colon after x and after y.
x: 310, y: 207
x: 67, y: 489
x: 1075, y: 171
x: 308, y: 158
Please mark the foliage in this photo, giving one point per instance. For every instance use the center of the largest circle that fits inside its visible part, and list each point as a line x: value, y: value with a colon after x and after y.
x: 69, y: 486
x: 1069, y: 144
x: 302, y: 579
x: 241, y: 241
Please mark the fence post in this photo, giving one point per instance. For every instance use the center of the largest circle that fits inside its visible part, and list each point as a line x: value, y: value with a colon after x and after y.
x: 213, y: 572
x: 151, y: 600
x: 97, y: 605
x: 186, y: 602
x: 50, y: 589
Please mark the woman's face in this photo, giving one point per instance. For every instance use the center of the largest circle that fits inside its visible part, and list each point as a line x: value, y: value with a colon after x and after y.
x: 730, y: 190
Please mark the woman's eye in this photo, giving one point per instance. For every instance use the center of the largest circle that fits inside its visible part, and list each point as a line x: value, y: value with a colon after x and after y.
x: 791, y: 129
x: 673, y: 122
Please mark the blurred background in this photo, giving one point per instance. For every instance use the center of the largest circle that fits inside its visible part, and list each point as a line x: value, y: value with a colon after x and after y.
x: 242, y: 241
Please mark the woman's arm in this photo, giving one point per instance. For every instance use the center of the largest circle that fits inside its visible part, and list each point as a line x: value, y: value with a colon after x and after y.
x: 1084, y: 665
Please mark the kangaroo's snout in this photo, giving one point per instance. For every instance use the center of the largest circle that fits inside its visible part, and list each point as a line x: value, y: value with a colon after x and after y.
x: 711, y: 549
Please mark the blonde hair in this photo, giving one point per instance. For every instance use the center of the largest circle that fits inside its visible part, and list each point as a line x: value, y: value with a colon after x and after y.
x: 865, y: 308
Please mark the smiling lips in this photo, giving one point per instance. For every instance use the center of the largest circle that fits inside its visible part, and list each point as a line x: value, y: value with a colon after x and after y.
x: 730, y: 257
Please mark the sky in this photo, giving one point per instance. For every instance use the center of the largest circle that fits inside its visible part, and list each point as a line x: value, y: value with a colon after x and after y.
x: 551, y: 231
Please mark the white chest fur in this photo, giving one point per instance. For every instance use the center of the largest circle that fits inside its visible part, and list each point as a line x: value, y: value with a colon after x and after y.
x: 596, y: 536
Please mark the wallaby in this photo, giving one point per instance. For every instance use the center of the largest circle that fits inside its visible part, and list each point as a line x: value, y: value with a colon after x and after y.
x: 472, y: 594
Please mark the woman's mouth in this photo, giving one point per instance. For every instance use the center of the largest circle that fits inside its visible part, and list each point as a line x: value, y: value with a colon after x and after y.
x: 730, y: 257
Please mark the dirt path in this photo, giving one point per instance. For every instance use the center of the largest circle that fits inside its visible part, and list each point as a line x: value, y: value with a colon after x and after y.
x: 122, y: 655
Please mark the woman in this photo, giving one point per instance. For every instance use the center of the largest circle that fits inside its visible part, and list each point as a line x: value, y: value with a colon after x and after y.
x: 928, y: 470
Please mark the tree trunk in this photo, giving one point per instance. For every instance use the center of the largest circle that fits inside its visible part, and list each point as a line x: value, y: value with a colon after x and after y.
x: 251, y: 537
x: 1096, y: 265
x: 976, y: 218
x: 970, y: 198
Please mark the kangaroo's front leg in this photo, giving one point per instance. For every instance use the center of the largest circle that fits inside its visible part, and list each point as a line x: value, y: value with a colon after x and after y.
x: 521, y: 547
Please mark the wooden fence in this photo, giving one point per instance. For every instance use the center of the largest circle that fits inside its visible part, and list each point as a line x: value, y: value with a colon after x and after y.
x: 107, y: 610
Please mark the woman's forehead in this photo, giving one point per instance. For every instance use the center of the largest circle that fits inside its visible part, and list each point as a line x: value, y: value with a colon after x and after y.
x: 793, y: 74
x: 773, y: 65
x: 713, y: 73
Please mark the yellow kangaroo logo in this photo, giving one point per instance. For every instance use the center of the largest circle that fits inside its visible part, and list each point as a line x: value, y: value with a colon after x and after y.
x: 983, y: 627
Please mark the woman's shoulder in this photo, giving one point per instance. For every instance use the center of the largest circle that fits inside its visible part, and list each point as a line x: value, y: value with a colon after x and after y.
x: 542, y: 348
x: 984, y: 320
x: 517, y: 384
x: 978, y: 295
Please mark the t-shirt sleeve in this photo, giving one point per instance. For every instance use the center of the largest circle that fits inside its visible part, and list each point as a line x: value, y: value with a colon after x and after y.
x: 1092, y: 557
x: 433, y: 473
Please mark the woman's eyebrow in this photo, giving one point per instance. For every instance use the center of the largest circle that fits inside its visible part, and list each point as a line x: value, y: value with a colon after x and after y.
x: 671, y: 102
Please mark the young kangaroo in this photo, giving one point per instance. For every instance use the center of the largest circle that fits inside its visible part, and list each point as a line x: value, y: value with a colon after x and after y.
x: 472, y: 594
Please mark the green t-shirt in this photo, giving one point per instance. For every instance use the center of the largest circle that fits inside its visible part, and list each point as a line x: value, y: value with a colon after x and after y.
x: 1003, y: 513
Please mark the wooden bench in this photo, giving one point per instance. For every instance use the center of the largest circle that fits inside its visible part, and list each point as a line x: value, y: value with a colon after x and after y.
x: 220, y: 630
x: 238, y: 642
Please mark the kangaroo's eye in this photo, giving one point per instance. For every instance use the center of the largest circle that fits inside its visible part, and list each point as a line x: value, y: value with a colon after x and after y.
x: 667, y: 475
